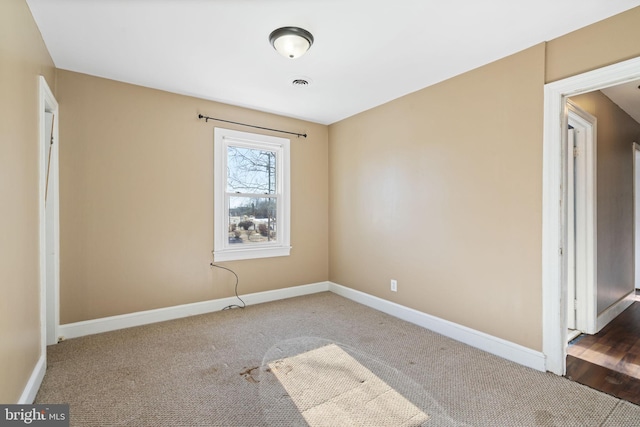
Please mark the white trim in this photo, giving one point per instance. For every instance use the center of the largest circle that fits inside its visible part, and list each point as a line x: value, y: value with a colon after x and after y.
x: 49, y: 287
x: 554, y: 290
x: 573, y: 182
x: 251, y: 253
x: 112, y: 323
x: 586, y: 261
x: 494, y: 345
x: 636, y: 216
x: 554, y: 296
x: 223, y: 251
x: 615, y: 309
x: 33, y: 385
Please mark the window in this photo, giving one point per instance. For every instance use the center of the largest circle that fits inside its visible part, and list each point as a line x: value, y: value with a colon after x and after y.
x: 251, y: 196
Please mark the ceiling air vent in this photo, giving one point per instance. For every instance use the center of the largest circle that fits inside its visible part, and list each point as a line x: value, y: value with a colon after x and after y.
x: 301, y: 82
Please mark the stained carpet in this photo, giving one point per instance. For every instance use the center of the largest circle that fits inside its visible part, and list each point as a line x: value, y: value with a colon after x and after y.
x: 218, y: 370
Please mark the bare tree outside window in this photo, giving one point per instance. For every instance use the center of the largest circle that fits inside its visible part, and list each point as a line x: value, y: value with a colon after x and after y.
x: 251, y: 184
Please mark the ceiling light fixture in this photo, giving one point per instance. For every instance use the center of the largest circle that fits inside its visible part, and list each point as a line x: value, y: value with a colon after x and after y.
x: 291, y: 42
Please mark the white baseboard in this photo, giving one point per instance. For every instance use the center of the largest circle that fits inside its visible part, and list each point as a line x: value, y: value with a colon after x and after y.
x: 112, y: 323
x: 33, y: 385
x: 612, y: 312
x: 494, y: 345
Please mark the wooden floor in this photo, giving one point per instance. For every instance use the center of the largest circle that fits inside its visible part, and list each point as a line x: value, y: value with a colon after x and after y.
x: 609, y: 361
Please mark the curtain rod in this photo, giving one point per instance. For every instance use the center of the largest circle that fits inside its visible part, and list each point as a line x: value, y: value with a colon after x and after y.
x: 207, y: 118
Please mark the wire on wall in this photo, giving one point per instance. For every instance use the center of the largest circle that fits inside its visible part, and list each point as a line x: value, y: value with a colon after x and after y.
x: 207, y: 118
x: 236, y: 288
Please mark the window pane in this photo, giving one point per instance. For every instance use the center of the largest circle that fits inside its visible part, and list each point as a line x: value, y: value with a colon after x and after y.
x: 252, y: 220
x: 251, y: 171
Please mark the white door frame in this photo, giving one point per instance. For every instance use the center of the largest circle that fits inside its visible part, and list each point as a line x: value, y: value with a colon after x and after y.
x: 554, y: 211
x: 584, y: 214
x: 49, y: 250
x: 636, y: 214
x: 570, y: 250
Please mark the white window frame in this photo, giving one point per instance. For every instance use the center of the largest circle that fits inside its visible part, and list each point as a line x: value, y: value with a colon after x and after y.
x: 222, y: 249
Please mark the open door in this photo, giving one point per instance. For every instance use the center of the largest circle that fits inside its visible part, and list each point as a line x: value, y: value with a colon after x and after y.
x: 571, y: 238
x: 554, y: 292
x: 581, y: 221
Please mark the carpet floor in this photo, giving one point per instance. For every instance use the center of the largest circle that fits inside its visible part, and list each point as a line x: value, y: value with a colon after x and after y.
x: 214, y: 370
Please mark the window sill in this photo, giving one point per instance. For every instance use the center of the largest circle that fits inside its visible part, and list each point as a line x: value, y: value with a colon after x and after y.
x: 250, y: 253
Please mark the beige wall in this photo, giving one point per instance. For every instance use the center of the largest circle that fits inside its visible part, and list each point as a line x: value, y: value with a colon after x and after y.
x: 23, y: 58
x: 441, y: 190
x: 616, y: 133
x: 603, y: 43
x: 136, y: 200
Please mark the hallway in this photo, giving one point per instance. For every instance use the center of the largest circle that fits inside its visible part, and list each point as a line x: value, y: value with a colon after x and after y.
x: 609, y: 361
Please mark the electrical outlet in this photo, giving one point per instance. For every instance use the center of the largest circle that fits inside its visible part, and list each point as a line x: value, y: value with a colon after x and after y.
x: 394, y: 285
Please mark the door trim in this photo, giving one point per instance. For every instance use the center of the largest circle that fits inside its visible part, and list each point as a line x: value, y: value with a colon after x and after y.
x: 636, y: 214
x: 49, y: 286
x: 554, y: 212
x: 586, y: 264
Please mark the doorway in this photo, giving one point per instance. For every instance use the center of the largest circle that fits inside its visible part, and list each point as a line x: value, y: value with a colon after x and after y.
x: 555, y: 234
x: 606, y: 360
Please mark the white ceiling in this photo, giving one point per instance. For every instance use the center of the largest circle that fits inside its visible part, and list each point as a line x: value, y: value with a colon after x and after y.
x: 366, y: 52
